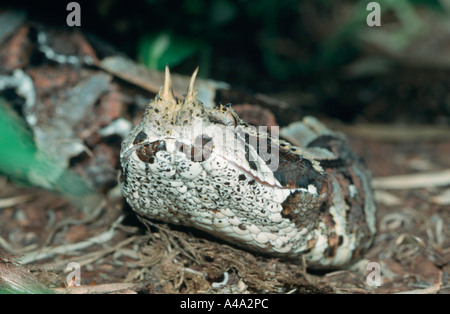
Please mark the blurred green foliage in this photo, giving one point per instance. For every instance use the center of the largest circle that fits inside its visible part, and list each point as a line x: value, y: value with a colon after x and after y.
x: 157, y: 50
x: 201, y: 29
x: 195, y: 28
x: 277, y: 40
x: 21, y: 161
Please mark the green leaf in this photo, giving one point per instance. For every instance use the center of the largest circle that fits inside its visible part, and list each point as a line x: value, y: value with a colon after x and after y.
x: 21, y: 161
x: 157, y: 50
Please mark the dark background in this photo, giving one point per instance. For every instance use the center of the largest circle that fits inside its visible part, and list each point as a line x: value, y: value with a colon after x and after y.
x: 312, y: 54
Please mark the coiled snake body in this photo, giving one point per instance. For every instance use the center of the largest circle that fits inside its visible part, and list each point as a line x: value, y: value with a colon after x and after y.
x: 205, y: 168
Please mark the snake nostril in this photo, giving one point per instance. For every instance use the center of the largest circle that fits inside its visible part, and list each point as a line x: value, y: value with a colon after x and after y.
x: 147, y: 152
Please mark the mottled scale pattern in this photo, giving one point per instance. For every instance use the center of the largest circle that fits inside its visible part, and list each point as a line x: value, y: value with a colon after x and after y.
x: 308, y: 197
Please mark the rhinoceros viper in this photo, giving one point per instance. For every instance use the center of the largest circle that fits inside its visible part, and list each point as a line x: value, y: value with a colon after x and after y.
x: 205, y: 168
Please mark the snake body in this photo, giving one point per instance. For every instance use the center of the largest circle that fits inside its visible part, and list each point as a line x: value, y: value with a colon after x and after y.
x: 205, y: 168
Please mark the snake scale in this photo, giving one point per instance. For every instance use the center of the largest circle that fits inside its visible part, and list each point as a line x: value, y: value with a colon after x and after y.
x: 205, y: 168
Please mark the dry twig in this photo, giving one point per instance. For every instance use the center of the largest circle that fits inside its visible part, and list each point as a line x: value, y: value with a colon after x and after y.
x: 413, y: 181
x: 47, y: 252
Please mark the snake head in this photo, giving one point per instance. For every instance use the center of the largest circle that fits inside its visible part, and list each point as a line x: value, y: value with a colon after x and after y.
x: 185, y: 125
x: 190, y: 165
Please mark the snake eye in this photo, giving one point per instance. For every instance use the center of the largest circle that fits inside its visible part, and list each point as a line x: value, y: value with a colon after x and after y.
x: 200, y: 151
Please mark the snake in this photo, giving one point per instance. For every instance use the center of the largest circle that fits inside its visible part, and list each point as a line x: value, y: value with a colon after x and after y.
x: 308, y: 198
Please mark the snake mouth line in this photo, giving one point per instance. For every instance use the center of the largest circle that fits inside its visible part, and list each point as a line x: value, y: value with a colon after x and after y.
x: 256, y: 178
x: 131, y: 150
